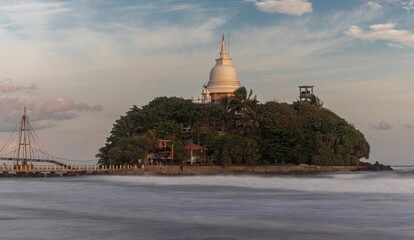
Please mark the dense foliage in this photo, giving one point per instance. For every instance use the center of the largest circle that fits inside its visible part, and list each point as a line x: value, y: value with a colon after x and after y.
x: 240, y: 130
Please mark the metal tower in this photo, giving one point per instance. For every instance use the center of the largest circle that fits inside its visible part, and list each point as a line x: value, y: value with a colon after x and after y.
x: 23, y: 146
x: 24, y: 150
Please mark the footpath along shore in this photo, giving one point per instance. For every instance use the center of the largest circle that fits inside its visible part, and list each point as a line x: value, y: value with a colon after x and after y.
x: 177, y: 170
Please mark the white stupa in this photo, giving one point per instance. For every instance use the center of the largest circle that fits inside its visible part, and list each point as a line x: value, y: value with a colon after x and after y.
x: 223, y: 78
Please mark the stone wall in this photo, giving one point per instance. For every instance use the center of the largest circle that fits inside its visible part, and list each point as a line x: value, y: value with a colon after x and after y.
x: 192, y: 170
x: 212, y: 170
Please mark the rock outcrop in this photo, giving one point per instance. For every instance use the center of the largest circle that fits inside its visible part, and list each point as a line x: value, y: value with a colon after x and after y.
x: 375, y: 167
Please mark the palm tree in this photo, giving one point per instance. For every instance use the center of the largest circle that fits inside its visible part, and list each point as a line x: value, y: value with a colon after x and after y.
x: 243, y: 108
x: 250, y: 117
x: 237, y: 103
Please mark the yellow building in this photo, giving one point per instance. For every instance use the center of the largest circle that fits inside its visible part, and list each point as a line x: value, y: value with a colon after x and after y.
x: 223, y: 78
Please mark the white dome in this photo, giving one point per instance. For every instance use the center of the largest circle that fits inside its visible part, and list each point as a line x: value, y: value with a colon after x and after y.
x: 223, y: 76
x: 223, y: 79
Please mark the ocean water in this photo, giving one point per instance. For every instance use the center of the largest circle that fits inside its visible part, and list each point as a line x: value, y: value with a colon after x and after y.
x: 363, y: 205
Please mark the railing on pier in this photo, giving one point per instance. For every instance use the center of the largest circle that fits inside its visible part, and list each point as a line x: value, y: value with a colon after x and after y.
x: 66, y: 168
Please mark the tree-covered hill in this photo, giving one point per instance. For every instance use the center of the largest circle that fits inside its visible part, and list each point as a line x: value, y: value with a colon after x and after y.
x: 239, y: 130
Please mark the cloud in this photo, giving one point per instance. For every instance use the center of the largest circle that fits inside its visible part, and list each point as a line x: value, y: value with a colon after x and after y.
x: 7, y: 86
x: 42, y: 113
x: 151, y: 8
x: 34, y: 6
x: 289, y: 7
x: 166, y: 36
x: 41, y: 124
x: 407, y: 126
x: 384, y: 32
x: 61, y: 108
x: 374, y: 6
x: 385, y: 126
x: 408, y: 5
x: 382, y: 126
x: 24, y: 16
x: 382, y: 26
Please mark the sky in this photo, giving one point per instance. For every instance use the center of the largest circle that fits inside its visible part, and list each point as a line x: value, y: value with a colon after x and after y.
x: 78, y: 65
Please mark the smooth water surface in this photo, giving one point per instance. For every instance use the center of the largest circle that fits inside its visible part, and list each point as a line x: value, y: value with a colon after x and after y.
x: 361, y: 205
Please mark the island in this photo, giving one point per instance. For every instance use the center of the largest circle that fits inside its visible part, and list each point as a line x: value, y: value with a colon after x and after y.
x: 239, y: 132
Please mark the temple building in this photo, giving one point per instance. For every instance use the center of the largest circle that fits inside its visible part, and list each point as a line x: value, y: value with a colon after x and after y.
x: 223, y: 78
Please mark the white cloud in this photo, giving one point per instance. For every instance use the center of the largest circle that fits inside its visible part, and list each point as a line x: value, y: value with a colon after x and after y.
x: 7, y: 86
x: 294, y: 42
x: 382, y: 126
x: 289, y: 7
x: 33, y: 13
x: 385, y: 32
x: 398, y: 125
x: 151, y: 8
x: 408, y: 5
x: 31, y: 6
x: 374, y: 6
x: 172, y: 36
x: 43, y: 113
x: 382, y: 26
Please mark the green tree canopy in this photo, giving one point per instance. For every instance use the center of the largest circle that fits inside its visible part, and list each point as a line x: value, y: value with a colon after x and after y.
x: 240, y: 130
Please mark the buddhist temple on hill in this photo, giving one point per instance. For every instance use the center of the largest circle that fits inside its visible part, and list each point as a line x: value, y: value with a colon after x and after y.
x: 223, y: 78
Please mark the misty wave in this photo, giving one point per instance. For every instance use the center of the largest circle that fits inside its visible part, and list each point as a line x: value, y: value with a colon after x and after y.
x: 378, y: 182
x: 342, y: 206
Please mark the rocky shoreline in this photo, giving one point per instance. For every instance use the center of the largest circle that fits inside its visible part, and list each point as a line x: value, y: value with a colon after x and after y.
x: 375, y: 167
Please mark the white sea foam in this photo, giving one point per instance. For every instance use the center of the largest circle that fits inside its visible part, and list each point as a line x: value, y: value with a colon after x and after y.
x: 367, y: 182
